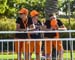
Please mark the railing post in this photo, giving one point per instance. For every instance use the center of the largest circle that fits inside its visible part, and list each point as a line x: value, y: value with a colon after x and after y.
x: 70, y: 42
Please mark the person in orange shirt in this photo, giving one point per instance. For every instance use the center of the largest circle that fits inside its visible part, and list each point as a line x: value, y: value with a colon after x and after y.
x: 22, y: 23
x: 53, y: 24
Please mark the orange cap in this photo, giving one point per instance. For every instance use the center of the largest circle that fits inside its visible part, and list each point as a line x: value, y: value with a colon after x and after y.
x: 24, y: 11
x: 34, y: 13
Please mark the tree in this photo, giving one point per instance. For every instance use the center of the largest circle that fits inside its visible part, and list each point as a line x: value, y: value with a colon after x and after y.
x: 10, y: 7
x: 3, y: 5
x: 7, y: 8
x: 38, y: 5
x: 64, y: 6
x: 50, y: 7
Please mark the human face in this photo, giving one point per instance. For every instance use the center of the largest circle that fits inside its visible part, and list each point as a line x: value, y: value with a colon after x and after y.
x: 23, y: 16
x: 35, y: 19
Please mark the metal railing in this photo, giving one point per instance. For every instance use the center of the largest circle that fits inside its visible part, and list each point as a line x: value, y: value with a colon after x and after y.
x: 6, y: 55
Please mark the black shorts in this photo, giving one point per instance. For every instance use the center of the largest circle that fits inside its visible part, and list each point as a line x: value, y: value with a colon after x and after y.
x: 50, y: 35
x: 35, y: 36
x: 21, y: 35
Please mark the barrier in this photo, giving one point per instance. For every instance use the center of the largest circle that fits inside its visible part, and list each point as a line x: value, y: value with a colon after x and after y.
x: 13, y: 55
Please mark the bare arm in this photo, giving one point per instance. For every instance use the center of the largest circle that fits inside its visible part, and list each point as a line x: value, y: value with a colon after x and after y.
x: 18, y: 28
x: 62, y: 28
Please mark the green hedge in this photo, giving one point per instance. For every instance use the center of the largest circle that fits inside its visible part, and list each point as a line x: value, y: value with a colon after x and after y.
x: 7, y: 25
x: 66, y: 23
x: 66, y: 35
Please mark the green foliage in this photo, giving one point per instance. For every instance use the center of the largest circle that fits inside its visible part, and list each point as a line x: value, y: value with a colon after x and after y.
x: 7, y: 25
x: 66, y: 23
x: 9, y: 8
x: 38, y: 5
x: 64, y: 5
x: 2, y: 6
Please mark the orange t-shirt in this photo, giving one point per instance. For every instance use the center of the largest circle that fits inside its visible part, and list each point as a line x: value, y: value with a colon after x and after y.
x: 54, y: 24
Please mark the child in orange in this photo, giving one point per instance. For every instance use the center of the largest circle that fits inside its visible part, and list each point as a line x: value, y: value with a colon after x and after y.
x: 53, y: 24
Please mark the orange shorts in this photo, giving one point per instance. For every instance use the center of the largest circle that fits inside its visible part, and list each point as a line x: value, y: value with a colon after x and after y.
x: 27, y: 47
x: 56, y: 44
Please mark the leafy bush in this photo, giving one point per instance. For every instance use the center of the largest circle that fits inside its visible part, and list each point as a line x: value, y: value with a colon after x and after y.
x: 66, y: 23
x: 7, y: 25
x: 66, y: 35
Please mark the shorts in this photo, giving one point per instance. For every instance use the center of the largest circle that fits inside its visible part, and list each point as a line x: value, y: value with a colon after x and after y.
x: 27, y: 47
x: 55, y: 44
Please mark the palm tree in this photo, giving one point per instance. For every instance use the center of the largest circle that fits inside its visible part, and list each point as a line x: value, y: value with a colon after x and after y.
x: 50, y: 7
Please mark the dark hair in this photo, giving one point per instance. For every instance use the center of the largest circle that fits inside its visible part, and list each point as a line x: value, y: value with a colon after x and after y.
x: 51, y: 15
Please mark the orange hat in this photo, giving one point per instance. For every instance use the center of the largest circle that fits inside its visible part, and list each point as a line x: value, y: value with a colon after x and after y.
x: 24, y: 11
x: 34, y: 13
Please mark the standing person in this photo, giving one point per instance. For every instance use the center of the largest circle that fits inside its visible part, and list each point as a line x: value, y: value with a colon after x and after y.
x: 22, y: 23
x: 37, y: 24
x: 53, y: 24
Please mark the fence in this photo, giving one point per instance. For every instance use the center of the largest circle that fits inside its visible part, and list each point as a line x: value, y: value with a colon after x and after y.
x: 68, y: 54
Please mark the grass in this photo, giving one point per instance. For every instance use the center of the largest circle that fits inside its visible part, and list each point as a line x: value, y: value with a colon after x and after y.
x: 11, y: 56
